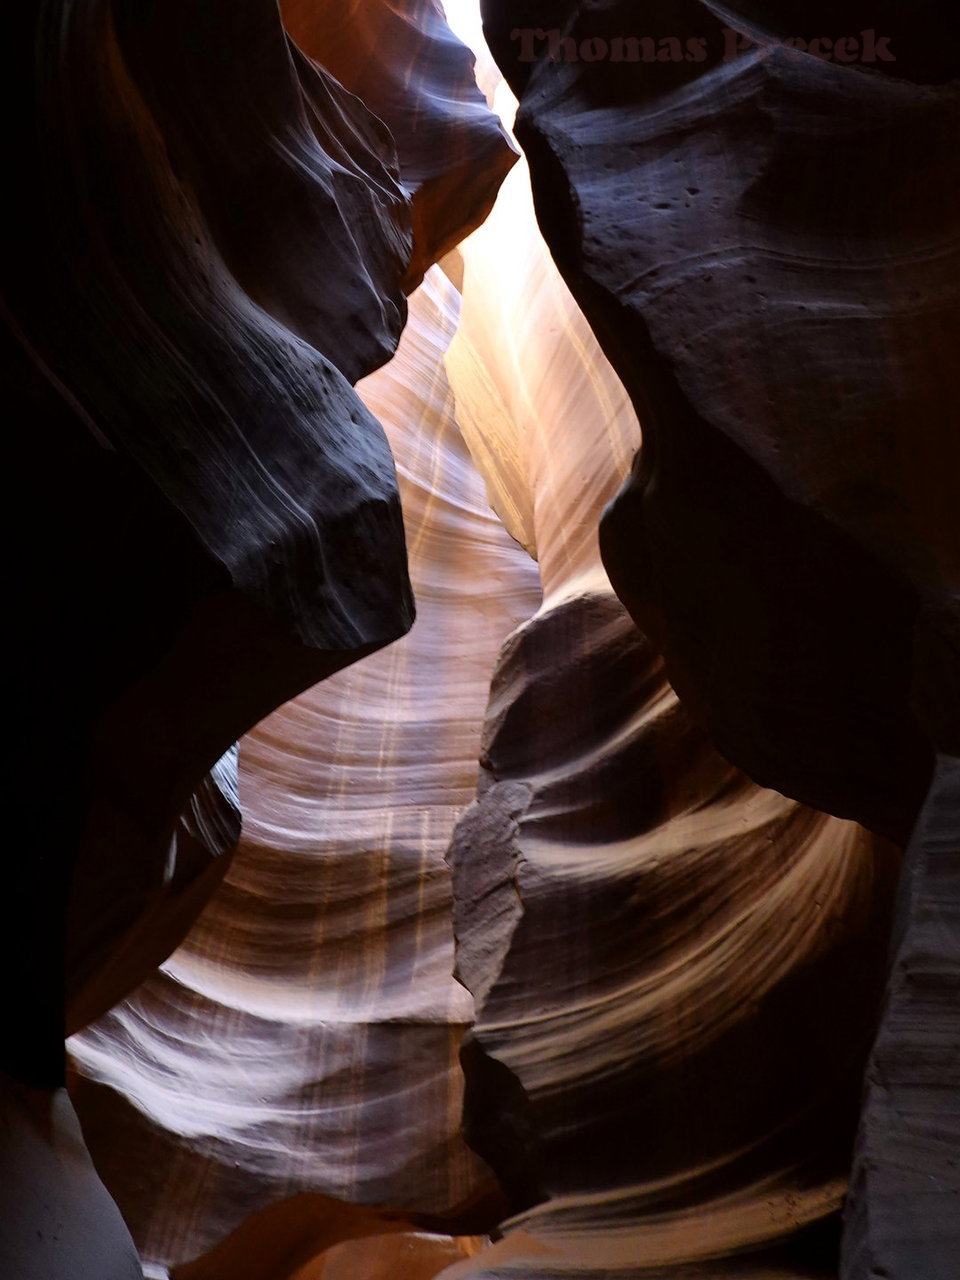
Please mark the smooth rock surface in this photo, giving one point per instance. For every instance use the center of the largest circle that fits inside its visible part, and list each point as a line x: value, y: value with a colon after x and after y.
x: 58, y: 1219
x: 676, y: 971
x: 219, y: 523
x: 210, y: 242
x: 765, y: 243
x: 403, y: 60
x: 902, y: 1218
x: 679, y: 970
x: 305, y: 1037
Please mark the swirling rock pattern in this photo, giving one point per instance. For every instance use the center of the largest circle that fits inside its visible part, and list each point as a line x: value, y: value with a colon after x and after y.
x: 221, y: 508
x: 211, y: 240
x: 453, y: 152
x: 214, y: 243
x: 305, y: 1037
x: 677, y: 972
x: 398, y: 1256
x: 745, y: 235
x: 688, y: 1065
x: 765, y: 242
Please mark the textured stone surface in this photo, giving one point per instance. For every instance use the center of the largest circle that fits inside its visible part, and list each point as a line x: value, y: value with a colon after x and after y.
x: 210, y: 242
x: 377, y: 1252
x: 305, y: 1037
x: 765, y: 243
x: 676, y: 971
x: 902, y: 1218
x: 57, y: 1218
x: 452, y: 151
x: 747, y: 237
x: 680, y: 970
x: 220, y: 508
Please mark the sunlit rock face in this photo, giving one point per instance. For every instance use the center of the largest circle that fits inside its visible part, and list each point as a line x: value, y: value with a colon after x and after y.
x: 305, y: 1038
x: 677, y: 972
x: 380, y: 1254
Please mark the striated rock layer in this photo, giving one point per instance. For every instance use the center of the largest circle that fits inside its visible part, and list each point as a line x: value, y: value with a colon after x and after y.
x: 452, y: 151
x: 765, y: 241
x: 210, y: 242
x: 304, y: 1039
x: 391, y: 1254
x: 676, y: 971
x: 220, y: 507
x: 679, y: 970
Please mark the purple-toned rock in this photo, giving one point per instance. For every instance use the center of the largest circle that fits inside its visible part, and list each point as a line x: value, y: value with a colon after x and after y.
x: 404, y: 62
x: 219, y: 523
x: 764, y: 241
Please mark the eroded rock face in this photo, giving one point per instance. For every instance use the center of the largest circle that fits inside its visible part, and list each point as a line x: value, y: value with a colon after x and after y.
x: 221, y: 508
x: 452, y: 150
x: 680, y: 970
x: 303, y: 1041
x: 747, y: 235
x: 58, y: 1220
x: 900, y: 1218
x: 677, y: 972
x: 765, y: 242
x: 380, y: 1249
x: 210, y: 242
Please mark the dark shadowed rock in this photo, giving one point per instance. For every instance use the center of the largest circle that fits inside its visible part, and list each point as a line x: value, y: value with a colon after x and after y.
x: 902, y: 1218
x: 412, y: 72
x: 217, y: 522
x: 746, y: 235
x: 677, y: 973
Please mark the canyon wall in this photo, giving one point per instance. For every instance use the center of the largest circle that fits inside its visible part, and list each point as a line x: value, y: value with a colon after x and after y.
x: 303, y: 1041
x: 760, y: 224
x: 211, y: 240
x: 677, y: 971
x: 570, y: 918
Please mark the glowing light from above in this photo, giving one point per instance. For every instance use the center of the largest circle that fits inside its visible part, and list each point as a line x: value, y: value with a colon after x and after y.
x: 463, y: 19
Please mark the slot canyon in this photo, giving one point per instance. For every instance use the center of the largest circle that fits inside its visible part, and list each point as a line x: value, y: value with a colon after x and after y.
x: 486, y: 641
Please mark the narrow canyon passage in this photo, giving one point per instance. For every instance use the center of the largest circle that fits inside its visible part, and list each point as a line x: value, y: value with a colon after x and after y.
x: 549, y: 934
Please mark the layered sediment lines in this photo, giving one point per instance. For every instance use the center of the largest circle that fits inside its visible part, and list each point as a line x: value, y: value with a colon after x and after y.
x: 452, y: 151
x: 211, y: 241
x: 764, y: 239
x: 220, y: 507
x: 305, y: 1037
x: 676, y: 971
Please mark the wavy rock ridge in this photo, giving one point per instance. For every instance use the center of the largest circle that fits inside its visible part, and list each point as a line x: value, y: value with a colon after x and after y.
x: 305, y: 1036
x: 764, y: 240
x: 674, y: 973
x: 212, y: 241
x: 677, y: 972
